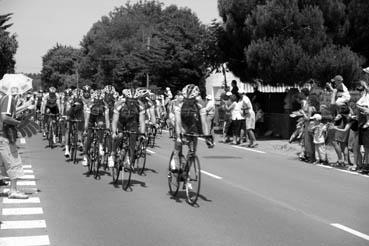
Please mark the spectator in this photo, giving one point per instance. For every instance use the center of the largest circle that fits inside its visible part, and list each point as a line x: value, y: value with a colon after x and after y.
x: 227, y: 127
x: 11, y: 161
x: 237, y: 118
x: 210, y: 112
x: 340, y: 95
x: 234, y: 90
x: 259, y: 119
x: 249, y: 115
x: 319, y: 131
x: 341, y: 136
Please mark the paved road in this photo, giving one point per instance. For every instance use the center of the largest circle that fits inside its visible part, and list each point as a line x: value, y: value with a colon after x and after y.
x: 247, y: 198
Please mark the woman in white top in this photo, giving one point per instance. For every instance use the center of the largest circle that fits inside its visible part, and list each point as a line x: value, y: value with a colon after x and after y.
x: 238, y: 121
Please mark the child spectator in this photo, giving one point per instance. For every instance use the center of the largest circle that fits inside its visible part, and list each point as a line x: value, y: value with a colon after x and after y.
x: 319, y: 132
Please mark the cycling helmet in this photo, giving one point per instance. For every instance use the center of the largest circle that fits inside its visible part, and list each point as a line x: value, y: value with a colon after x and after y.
x: 141, y: 92
x: 97, y: 95
x: 68, y: 92
x: 128, y: 93
x: 191, y: 91
x: 109, y: 89
x: 116, y: 95
x: 52, y: 89
x: 77, y: 92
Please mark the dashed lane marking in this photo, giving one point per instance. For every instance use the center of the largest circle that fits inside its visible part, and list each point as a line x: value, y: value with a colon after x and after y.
x: 150, y: 151
x: 14, y: 201
x: 22, y: 224
x: 26, y: 183
x: 352, y: 231
x: 211, y: 175
x: 248, y: 149
x: 25, y: 241
x: 28, y: 171
x: 21, y: 211
x: 27, y: 166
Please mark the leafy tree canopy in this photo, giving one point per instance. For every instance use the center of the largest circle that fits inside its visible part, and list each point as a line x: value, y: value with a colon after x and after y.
x: 288, y: 41
x: 8, y: 46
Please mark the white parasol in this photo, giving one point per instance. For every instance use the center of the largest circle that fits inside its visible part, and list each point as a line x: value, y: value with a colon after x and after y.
x: 15, y: 84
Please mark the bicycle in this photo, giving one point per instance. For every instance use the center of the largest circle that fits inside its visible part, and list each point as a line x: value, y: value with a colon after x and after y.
x: 94, y: 158
x: 125, y: 161
x: 73, y: 140
x: 51, y: 128
x: 189, y: 172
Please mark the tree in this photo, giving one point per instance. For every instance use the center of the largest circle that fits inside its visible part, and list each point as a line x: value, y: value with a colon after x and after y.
x: 59, y: 67
x: 8, y: 46
x: 144, y: 38
x: 287, y: 41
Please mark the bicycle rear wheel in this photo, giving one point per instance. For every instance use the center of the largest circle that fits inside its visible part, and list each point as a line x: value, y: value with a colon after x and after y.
x: 193, y: 179
x: 141, y: 158
x: 50, y: 136
x: 127, y: 170
x: 173, y: 178
x: 115, y: 170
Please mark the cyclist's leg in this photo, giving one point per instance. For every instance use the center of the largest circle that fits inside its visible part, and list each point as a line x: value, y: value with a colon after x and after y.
x: 88, y: 140
x: 66, y: 137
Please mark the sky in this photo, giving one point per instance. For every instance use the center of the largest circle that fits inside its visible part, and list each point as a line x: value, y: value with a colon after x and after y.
x: 40, y: 24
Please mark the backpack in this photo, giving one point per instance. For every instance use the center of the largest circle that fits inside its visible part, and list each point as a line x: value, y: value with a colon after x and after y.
x: 129, y: 110
x: 190, y: 116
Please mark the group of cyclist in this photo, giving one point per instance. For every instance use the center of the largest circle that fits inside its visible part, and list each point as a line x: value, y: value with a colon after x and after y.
x: 133, y: 110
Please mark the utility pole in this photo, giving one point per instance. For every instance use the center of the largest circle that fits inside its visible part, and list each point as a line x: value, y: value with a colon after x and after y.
x: 147, y: 74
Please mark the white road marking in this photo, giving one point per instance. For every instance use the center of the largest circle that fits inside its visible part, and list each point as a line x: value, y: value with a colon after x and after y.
x: 28, y: 171
x: 26, y: 183
x: 28, y: 176
x: 352, y: 231
x: 27, y: 166
x: 25, y: 241
x: 21, y: 211
x: 22, y: 224
x: 150, y: 151
x: 29, y: 200
x: 211, y: 175
x: 253, y: 150
x: 346, y: 171
x: 26, y: 190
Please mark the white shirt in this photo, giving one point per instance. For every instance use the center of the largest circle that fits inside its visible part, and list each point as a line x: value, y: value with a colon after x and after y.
x: 247, y: 103
x: 236, y: 112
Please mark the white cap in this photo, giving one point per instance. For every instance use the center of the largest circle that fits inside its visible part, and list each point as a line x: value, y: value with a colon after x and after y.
x: 366, y: 70
x: 209, y: 97
x: 228, y: 93
x: 316, y: 117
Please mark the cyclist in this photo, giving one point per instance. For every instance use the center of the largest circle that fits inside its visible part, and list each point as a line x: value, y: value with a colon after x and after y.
x: 50, y: 105
x: 190, y: 118
x: 97, y: 115
x: 110, y: 97
x: 129, y: 115
x: 74, y: 111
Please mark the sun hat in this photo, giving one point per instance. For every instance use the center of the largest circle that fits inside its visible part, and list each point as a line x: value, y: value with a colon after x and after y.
x: 337, y: 78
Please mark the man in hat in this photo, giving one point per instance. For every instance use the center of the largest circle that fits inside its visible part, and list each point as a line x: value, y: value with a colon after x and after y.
x: 340, y: 95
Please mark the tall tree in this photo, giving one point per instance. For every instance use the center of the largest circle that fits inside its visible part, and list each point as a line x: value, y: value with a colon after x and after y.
x: 8, y: 46
x: 144, y: 38
x: 59, y: 67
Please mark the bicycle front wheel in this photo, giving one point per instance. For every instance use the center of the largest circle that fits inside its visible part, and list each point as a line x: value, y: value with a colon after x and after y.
x: 51, y: 135
x: 173, y: 178
x: 193, y: 180
x: 115, y: 170
x: 127, y: 170
x: 141, y: 158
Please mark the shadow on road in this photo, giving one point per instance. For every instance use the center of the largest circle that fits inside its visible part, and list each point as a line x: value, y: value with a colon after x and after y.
x: 181, y: 197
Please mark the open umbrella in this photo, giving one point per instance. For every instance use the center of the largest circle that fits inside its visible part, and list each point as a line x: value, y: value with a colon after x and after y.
x: 15, y: 84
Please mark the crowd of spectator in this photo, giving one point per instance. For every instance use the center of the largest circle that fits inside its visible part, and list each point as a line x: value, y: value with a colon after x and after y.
x: 342, y: 123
